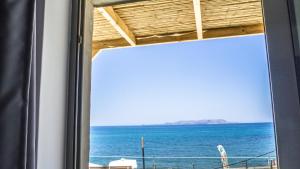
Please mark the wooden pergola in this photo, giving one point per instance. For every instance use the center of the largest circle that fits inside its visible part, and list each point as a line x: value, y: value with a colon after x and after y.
x: 161, y: 21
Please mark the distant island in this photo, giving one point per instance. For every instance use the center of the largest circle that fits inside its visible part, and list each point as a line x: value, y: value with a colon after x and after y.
x: 195, y: 122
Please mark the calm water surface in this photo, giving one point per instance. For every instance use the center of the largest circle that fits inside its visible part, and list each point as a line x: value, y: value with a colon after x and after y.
x: 161, y: 142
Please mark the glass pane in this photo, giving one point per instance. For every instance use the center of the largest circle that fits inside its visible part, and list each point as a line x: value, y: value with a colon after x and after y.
x: 200, y: 102
x: 188, y: 106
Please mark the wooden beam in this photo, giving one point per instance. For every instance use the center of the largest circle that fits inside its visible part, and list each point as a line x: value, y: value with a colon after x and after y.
x: 233, y: 31
x: 198, y: 18
x: 183, y: 36
x: 98, y: 45
x: 178, y: 37
x: 118, y: 24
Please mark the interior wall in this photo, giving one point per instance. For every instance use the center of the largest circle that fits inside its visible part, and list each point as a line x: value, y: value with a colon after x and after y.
x: 53, y: 85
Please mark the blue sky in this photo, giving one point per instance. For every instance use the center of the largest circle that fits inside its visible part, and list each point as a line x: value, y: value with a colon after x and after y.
x: 210, y: 79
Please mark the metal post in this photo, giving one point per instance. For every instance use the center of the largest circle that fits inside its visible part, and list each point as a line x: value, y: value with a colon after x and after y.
x: 143, y: 152
x: 271, y: 164
x: 154, y: 165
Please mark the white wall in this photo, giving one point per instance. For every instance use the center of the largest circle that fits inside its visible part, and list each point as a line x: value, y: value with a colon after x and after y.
x: 53, y: 85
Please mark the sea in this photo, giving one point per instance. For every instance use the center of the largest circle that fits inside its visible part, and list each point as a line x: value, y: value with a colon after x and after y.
x: 185, y: 146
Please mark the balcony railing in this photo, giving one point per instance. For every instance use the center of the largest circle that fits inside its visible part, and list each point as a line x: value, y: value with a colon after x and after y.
x: 258, y: 162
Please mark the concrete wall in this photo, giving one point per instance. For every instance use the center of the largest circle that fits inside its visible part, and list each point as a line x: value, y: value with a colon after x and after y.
x: 53, y: 85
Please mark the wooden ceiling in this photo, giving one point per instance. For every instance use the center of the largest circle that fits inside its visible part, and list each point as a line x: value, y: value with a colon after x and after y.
x: 161, y: 21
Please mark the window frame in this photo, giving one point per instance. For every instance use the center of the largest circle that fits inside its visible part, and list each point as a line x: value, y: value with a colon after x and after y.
x: 282, y: 71
x: 284, y: 90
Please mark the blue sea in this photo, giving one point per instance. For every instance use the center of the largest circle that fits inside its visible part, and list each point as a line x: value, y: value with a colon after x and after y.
x: 184, y: 146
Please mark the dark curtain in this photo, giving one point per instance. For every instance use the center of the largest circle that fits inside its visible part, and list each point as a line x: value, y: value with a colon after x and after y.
x: 20, y: 59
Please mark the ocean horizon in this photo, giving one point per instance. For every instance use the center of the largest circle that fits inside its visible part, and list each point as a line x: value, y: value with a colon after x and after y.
x: 184, y: 146
x: 166, y: 124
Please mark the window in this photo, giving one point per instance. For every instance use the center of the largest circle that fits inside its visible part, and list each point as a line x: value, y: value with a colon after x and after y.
x: 198, y: 104
x: 122, y: 31
x: 190, y: 107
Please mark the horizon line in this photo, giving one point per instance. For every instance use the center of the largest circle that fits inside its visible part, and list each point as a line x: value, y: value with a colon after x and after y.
x: 133, y: 125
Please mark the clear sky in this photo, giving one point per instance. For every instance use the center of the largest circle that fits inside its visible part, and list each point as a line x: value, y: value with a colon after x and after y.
x: 209, y: 79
